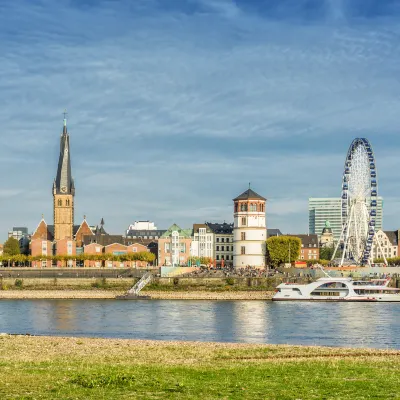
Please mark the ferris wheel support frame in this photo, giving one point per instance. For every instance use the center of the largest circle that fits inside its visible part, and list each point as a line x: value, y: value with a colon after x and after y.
x: 347, y: 235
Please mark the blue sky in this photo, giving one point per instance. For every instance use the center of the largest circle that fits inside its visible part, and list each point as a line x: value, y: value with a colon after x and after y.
x: 174, y: 106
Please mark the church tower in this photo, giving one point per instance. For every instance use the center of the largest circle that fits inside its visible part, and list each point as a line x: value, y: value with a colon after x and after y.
x: 64, y: 191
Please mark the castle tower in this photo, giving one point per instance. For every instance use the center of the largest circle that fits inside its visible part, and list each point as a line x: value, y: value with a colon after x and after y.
x: 249, y: 230
x: 64, y: 191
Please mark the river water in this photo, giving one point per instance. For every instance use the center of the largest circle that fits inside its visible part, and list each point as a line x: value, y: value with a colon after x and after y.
x: 330, y: 324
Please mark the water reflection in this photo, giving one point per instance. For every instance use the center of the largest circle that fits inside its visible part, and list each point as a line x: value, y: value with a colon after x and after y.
x: 251, y: 321
x: 334, y: 324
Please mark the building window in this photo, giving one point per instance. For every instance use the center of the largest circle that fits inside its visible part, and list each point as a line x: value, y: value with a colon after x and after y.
x: 243, y: 207
x: 222, y: 248
x: 243, y: 220
x: 59, y: 202
x: 222, y: 240
x: 243, y: 250
x: 217, y: 248
x: 217, y: 257
x: 227, y: 240
x: 217, y: 240
x: 236, y: 207
x: 67, y: 202
x: 243, y: 236
x: 231, y: 248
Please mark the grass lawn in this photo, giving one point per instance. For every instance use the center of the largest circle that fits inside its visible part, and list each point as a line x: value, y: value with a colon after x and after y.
x: 83, y: 368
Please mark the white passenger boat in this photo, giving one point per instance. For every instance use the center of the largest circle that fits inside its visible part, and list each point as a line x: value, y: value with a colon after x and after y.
x: 338, y: 289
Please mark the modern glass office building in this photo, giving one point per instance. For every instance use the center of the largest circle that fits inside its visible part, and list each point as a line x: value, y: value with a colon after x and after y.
x: 330, y: 209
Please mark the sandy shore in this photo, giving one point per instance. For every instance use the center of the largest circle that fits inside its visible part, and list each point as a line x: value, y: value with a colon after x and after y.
x: 106, y: 294
x: 136, y: 351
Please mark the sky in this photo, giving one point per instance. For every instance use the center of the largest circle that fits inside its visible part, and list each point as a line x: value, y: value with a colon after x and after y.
x: 175, y: 106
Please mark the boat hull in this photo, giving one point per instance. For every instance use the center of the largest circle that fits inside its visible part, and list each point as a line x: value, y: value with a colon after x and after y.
x: 333, y: 300
x: 350, y: 299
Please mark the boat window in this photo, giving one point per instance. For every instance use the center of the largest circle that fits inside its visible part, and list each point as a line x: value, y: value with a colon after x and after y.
x: 323, y: 293
x: 297, y: 290
x: 332, y: 285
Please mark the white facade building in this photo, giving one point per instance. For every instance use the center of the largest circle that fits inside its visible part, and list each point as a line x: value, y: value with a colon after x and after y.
x: 142, y: 226
x: 223, y: 243
x: 249, y: 230
x: 203, y: 241
x: 385, y: 244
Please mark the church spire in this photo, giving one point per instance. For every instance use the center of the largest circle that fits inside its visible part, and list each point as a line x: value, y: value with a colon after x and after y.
x: 65, y: 122
x: 64, y: 183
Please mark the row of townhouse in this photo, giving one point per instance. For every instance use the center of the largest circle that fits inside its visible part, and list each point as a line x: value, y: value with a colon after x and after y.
x: 42, y: 247
x: 173, y: 246
x: 87, y: 240
x: 209, y: 240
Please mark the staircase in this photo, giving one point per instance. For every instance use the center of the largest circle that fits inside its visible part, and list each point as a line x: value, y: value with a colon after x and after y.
x: 133, y: 293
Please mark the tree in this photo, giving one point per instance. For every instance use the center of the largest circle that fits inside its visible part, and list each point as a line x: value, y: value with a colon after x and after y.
x: 11, y: 247
x: 326, y: 253
x: 283, y: 249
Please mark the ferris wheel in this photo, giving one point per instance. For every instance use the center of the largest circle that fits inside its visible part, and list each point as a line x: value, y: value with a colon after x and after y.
x: 359, y: 204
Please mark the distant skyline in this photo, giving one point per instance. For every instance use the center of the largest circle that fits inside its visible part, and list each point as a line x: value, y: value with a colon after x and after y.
x: 173, y: 107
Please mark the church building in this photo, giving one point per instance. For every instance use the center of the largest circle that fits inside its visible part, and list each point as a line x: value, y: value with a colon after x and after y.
x: 59, y: 238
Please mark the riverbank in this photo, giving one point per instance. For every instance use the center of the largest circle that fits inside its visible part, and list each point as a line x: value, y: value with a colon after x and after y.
x: 111, y: 294
x: 86, y: 368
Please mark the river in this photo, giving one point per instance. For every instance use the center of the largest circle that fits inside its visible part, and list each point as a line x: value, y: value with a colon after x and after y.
x: 330, y: 324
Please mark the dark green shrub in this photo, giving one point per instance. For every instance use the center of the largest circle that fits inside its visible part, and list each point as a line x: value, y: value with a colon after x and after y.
x: 19, y: 283
x: 100, y: 283
x: 230, y: 281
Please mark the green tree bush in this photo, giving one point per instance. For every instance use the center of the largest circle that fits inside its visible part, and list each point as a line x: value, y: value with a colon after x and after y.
x: 283, y: 249
x: 326, y: 253
x: 11, y: 247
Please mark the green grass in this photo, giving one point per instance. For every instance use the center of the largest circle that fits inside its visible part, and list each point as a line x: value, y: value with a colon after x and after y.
x: 72, y: 368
